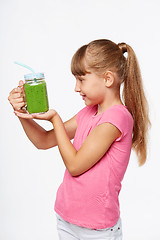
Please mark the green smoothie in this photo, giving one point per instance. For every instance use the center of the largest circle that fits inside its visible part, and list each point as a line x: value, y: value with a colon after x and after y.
x: 36, y: 97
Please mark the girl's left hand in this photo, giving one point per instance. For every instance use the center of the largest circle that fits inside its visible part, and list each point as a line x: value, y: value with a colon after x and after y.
x: 49, y: 115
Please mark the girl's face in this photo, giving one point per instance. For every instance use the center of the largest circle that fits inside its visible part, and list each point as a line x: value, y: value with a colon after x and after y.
x: 91, y: 87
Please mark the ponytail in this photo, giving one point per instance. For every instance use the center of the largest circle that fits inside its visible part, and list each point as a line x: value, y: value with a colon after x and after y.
x: 136, y: 103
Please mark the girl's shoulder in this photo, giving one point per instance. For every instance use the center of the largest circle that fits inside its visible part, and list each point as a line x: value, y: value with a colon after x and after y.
x: 118, y: 113
x: 119, y: 116
x: 119, y: 110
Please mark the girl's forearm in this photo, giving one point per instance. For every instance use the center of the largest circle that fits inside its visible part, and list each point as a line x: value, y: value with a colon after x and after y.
x: 66, y: 148
x: 37, y: 135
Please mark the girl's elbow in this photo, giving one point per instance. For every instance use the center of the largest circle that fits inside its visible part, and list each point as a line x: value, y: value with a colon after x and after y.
x: 74, y: 172
x: 44, y: 146
x: 71, y: 170
x: 41, y: 147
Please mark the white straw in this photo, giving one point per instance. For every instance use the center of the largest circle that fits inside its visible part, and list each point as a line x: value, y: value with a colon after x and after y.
x: 25, y: 66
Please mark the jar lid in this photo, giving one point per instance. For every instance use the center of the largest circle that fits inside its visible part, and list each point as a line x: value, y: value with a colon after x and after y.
x: 31, y: 76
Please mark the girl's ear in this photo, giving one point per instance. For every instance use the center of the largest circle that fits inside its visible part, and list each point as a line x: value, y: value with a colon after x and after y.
x: 108, y: 79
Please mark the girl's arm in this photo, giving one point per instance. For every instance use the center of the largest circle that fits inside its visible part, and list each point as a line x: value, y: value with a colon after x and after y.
x: 43, y: 139
x: 91, y: 151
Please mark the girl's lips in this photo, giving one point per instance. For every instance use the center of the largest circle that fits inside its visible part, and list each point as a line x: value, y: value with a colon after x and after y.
x: 83, y: 96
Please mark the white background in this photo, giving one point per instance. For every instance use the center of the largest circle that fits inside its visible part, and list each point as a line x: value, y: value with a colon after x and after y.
x: 45, y: 35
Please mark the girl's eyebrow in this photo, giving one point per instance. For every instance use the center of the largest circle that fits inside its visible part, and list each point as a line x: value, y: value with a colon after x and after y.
x: 80, y: 77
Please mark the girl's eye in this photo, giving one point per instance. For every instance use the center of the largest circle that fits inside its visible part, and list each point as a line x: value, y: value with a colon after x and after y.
x: 81, y: 79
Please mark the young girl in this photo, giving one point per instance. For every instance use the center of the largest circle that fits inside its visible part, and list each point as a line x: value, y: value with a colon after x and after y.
x: 104, y: 132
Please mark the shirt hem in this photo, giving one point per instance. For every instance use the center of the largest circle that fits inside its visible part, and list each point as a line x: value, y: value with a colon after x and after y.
x: 78, y: 223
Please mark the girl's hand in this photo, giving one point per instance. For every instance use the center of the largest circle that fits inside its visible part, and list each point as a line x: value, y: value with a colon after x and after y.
x: 49, y: 115
x: 17, y: 98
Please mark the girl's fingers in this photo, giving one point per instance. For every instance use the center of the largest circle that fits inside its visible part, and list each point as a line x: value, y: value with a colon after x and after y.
x: 17, y: 103
x: 16, y: 90
x: 16, y: 95
x: 40, y: 116
x: 18, y: 106
x: 23, y: 115
x: 19, y: 100
x: 21, y: 83
x: 45, y: 116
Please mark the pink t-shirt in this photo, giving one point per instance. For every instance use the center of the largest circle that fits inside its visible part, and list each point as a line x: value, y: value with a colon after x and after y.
x: 91, y: 199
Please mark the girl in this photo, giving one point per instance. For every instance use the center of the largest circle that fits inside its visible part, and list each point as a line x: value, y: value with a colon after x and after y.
x: 104, y: 132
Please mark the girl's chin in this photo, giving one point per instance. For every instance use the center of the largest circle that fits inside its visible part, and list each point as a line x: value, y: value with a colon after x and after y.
x: 87, y: 103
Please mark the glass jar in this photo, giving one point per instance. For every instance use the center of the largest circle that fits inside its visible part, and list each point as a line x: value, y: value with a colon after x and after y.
x: 36, y: 93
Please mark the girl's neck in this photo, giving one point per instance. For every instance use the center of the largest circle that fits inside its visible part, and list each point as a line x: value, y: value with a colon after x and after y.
x: 110, y: 101
x: 101, y: 109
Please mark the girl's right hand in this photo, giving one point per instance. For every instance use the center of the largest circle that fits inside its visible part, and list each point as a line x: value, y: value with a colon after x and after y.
x: 17, y: 98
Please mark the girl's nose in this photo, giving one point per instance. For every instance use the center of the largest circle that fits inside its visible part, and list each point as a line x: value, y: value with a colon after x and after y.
x: 77, y: 87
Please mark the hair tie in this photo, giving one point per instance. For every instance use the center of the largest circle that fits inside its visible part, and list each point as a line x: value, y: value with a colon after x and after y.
x: 123, y: 47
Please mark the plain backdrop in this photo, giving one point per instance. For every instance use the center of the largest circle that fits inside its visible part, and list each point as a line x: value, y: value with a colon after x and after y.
x: 45, y: 35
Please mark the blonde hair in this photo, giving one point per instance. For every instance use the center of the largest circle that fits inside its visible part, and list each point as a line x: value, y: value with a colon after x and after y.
x: 102, y: 55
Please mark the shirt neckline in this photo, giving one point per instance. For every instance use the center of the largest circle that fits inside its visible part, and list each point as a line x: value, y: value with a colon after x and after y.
x: 116, y: 105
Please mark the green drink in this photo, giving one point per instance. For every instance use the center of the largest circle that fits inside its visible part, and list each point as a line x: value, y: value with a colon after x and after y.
x: 36, y: 93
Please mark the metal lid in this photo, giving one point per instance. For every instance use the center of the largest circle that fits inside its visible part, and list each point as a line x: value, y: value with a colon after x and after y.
x: 31, y: 76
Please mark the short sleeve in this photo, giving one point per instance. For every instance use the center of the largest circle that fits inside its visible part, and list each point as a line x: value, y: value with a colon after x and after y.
x: 117, y: 116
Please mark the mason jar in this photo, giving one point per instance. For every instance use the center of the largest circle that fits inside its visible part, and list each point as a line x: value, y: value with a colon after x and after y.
x: 36, y: 93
